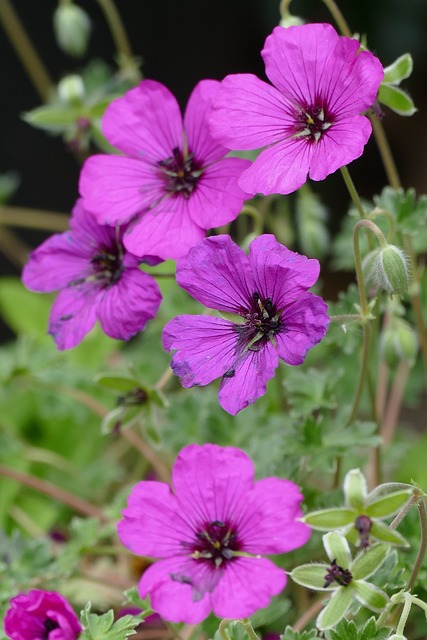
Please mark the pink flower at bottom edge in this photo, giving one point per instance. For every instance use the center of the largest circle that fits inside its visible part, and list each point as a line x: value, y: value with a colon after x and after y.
x: 41, y: 615
x: 210, y: 534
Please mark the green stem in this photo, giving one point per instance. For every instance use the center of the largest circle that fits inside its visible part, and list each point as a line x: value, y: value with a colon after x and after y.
x: 345, y: 317
x: 33, y: 219
x: 422, y: 511
x: 77, y: 504
x: 363, y: 374
x: 385, y: 152
x: 378, y: 211
x: 247, y: 624
x: 223, y: 629
x: 404, y: 615
x: 253, y: 213
x: 338, y: 17
x: 118, y: 32
x: 404, y: 511
x: 353, y: 192
x: 25, y: 50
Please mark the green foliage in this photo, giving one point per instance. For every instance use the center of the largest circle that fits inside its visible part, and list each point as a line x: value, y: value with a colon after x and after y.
x: 290, y: 634
x: 347, y: 630
x: 103, y: 627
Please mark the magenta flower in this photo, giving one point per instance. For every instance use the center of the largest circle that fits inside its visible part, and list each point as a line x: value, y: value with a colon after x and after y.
x: 41, y: 615
x: 209, y: 535
x: 173, y: 181
x: 98, y: 279
x: 266, y: 311
x: 310, y: 119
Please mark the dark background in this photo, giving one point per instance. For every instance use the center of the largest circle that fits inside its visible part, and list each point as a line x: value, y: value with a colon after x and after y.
x: 182, y: 42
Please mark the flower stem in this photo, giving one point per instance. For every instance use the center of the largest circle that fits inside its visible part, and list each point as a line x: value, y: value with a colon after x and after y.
x: 422, y: 511
x: 309, y: 614
x: 158, y: 465
x: 404, y: 615
x: 12, y: 247
x: 338, y: 17
x: 118, y: 32
x: 395, y: 401
x: 345, y: 317
x: 25, y: 50
x: 223, y: 629
x: 353, y: 192
x: 33, y: 219
x: 77, y: 504
x: 404, y: 510
x: 385, y: 152
x: 247, y: 624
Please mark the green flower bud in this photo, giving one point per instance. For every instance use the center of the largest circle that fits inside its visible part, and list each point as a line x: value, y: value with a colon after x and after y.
x: 71, y: 90
x: 398, y: 342
x: 72, y: 29
x: 391, y: 269
x: 368, y: 268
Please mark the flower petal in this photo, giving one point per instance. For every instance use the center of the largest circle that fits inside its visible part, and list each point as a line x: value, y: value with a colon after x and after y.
x: 55, y: 263
x: 280, y: 274
x: 153, y: 523
x: 200, y: 142
x: 295, y: 59
x: 250, y: 372
x: 172, y: 599
x: 342, y: 143
x: 144, y: 123
x: 217, y: 198
x: 267, y: 521
x: 248, y: 584
x: 282, y: 168
x: 124, y: 308
x: 204, y: 348
x: 211, y: 481
x: 73, y: 315
x: 166, y: 231
x: 116, y: 189
x: 217, y: 273
x: 249, y: 113
x: 305, y: 323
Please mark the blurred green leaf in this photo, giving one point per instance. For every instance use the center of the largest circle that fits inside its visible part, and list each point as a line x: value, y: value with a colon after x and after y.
x: 396, y: 99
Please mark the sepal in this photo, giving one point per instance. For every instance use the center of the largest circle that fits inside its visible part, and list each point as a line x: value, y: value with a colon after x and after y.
x: 355, y: 489
x: 336, y: 608
x: 312, y: 576
x: 336, y: 547
x: 369, y: 560
x: 370, y: 596
x: 328, y: 519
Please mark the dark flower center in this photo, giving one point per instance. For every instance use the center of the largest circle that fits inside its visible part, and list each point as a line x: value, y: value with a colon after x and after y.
x: 215, y: 544
x: 337, y: 574
x: 262, y: 323
x: 181, y: 172
x: 108, y: 265
x: 312, y: 122
x: 363, y: 525
x: 49, y: 625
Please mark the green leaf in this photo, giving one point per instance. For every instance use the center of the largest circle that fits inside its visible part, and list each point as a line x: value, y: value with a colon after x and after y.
x: 370, y: 631
x: 290, y: 634
x: 399, y: 70
x: 312, y: 576
x: 52, y: 118
x: 277, y: 608
x: 387, y: 505
x: 103, y: 627
x: 369, y: 560
x: 370, y: 595
x: 345, y: 630
x: 380, y: 531
x: 118, y: 383
x: 336, y: 609
x: 328, y: 519
x: 336, y: 546
x: 397, y: 100
x: 355, y: 489
x: 9, y: 183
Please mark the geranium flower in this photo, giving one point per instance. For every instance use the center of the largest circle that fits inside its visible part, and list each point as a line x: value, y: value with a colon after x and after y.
x: 98, y: 279
x: 266, y: 312
x: 209, y: 535
x: 173, y: 181
x: 41, y: 615
x: 310, y: 119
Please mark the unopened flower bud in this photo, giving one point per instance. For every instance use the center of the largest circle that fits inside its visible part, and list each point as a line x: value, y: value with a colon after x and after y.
x: 398, y: 342
x: 71, y: 90
x: 391, y: 269
x: 368, y: 268
x: 72, y: 28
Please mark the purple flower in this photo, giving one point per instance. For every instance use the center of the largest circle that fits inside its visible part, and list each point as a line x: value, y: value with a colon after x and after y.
x: 310, y: 119
x: 41, y: 615
x: 173, y: 181
x: 266, y: 312
x: 98, y: 279
x: 210, y: 533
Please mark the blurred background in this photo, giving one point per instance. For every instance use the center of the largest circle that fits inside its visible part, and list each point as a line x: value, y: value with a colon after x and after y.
x: 180, y: 43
